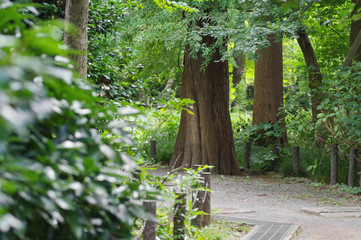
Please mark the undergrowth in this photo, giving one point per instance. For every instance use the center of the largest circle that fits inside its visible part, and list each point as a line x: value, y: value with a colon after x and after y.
x: 188, y: 182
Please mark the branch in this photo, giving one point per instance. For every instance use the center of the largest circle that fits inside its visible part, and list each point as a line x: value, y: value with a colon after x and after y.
x: 304, y: 10
x: 337, y: 32
x: 352, y: 52
x: 171, y: 172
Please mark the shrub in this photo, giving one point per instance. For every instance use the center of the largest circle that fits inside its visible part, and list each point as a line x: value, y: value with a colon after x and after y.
x: 58, y: 179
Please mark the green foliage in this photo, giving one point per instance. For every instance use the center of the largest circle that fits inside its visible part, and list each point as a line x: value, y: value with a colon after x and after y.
x: 262, y: 158
x: 161, y: 124
x: 172, y: 5
x: 257, y: 132
x: 314, y: 163
x: 341, y: 107
x: 188, y: 182
x: 297, y: 109
x: 341, y: 187
x: 163, y: 128
x: 219, y: 230
x: 328, y: 24
x: 110, y: 62
x: 158, y: 36
x: 347, y: 189
x: 58, y: 179
x: 128, y: 62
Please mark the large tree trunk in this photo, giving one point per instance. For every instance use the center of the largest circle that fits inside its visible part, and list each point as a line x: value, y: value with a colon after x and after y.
x: 76, y: 13
x: 314, y: 73
x: 206, y: 137
x: 268, y: 88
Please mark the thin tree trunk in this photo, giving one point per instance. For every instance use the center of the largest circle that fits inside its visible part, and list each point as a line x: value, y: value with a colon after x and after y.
x: 355, y: 45
x: 268, y: 88
x: 355, y: 38
x: 206, y: 137
x: 76, y: 13
x: 169, y: 84
x: 314, y: 73
x: 238, y: 72
x: 353, y: 52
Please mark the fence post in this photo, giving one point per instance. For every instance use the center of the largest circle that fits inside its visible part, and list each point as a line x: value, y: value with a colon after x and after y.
x: 153, y: 149
x: 150, y: 226
x: 276, y: 162
x: 207, y: 199
x: 296, y: 161
x: 352, y: 167
x: 197, y: 201
x: 179, y: 216
x: 334, y: 156
x: 247, y: 155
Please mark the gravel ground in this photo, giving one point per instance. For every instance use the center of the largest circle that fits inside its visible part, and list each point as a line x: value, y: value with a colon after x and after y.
x: 280, y: 200
x: 269, y: 198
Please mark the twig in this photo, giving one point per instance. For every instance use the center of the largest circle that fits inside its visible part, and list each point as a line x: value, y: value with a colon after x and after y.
x: 170, y: 173
x: 304, y: 10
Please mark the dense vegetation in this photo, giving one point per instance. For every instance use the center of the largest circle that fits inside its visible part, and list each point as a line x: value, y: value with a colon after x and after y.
x: 68, y: 146
x: 59, y: 178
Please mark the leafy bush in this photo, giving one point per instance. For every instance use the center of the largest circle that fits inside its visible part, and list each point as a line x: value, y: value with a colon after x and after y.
x: 160, y: 124
x: 341, y: 107
x: 297, y: 109
x: 110, y: 62
x: 58, y: 179
x: 179, y: 181
x: 347, y: 189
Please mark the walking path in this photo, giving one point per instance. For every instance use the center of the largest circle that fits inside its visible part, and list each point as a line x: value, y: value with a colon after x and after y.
x: 278, y: 208
x: 285, y: 209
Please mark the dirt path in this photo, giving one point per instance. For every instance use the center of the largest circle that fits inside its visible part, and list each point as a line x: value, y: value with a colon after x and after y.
x: 270, y: 199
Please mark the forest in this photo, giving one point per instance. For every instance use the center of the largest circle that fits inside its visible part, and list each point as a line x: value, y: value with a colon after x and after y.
x: 87, y: 86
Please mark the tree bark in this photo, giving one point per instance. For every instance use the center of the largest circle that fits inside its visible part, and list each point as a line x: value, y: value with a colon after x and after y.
x: 268, y: 88
x: 76, y: 14
x: 206, y: 138
x: 353, y: 52
x: 314, y: 73
x: 355, y: 38
x: 355, y: 29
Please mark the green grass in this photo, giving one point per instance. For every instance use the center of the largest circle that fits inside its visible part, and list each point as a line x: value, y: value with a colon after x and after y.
x: 219, y: 230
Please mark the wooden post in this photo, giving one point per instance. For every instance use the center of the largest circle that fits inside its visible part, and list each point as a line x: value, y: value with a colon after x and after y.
x: 352, y: 167
x: 179, y: 216
x: 296, y: 161
x: 150, y: 225
x: 247, y: 155
x: 276, y: 162
x: 198, y: 204
x: 153, y: 149
x: 136, y: 174
x: 207, y: 199
x: 334, y: 156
